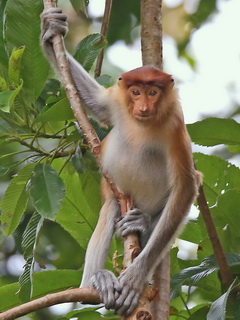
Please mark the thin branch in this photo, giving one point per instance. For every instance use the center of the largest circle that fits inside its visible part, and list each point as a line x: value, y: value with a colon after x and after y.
x: 151, y: 32
x: 104, y: 29
x: 84, y: 295
x: 224, y: 269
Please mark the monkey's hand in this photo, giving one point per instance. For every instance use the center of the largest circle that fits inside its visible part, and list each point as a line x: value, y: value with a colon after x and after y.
x: 108, y: 286
x: 132, y: 283
x: 53, y: 22
x: 134, y: 221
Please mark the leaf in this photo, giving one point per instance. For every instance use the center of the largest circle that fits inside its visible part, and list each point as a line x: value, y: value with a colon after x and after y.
x: 88, y: 50
x: 60, y: 111
x: 7, y: 97
x: 30, y: 234
x: 218, y: 307
x: 26, y: 32
x: 51, y: 281
x: 214, y: 131
x: 3, y: 85
x: 79, y: 5
x: 25, y: 281
x: 14, y: 65
x: 8, y: 296
x: 6, y: 167
x: 219, y: 175
x: 81, y: 205
x: 8, y: 127
x: 83, y: 314
x: 105, y: 80
x: 15, y: 199
x: 29, y: 239
x: 46, y: 190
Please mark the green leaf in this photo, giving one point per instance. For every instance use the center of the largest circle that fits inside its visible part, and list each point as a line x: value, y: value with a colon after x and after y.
x: 7, y: 98
x: 15, y: 199
x: 88, y: 50
x: 26, y: 32
x: 79, y: 5
x: 81, y: 205
x: 84, y: 314
x: 218, y: 308
x: 46, y: 190
x: 214, y: 131
x: 3, y: 85
x: 8, y: 127
x: 219, y: 175
x: 105, y: 80
x: 60, y: 111
x: 14, y: 65
x: 25, y: 280
x: 29, y: 239
x: 30, y: 234
x: 51, y: 281
x: 6, y: 167
x: 8, y: 296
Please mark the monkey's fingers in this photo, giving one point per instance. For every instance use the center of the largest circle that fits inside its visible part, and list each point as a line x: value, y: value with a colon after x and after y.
x: 127, y: 301
x: 108, y: 286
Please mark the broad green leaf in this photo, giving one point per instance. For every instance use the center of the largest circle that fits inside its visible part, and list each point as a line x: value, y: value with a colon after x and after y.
x: 81, y: 205
x: 214, y: 131
x: 15, y: 199
x: 219, y: 175
x: 9, y: 297
x: 226, y: 218
x: 46, y: 190
x: 14, y: 65
x: 26, y: 32
x: 51, y: 281
x: 60, y: 111
x: 88, y: 50
x: 218, y: 308
x: 79, y: 5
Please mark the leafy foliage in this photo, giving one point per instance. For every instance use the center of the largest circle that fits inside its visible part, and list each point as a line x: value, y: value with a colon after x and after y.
x: 52, y: 179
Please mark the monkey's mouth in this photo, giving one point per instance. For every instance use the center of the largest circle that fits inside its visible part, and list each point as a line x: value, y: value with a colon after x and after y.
x: 144, y: 117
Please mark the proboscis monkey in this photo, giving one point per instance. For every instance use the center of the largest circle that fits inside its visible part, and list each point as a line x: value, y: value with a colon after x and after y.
x: 148, y: 156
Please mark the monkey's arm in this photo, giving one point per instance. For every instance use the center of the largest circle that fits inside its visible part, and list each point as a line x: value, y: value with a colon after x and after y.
x: 93, y: 95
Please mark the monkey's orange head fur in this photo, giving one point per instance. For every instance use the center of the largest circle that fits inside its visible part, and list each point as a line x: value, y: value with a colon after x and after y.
x: 146, y: 75
x: 145, y: 90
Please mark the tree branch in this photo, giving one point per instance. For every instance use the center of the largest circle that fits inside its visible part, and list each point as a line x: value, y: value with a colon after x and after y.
x: 104, y: 28
x: 84, y: 295
x: 224, y: 269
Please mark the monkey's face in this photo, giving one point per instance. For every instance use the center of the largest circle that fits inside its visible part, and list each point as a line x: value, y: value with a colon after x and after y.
x: 144, y: 101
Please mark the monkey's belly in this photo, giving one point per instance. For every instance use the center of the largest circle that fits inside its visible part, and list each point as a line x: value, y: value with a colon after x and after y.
x: 141, y: 174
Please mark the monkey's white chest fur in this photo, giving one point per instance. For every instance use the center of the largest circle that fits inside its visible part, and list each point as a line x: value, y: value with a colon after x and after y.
x: 139, y: 171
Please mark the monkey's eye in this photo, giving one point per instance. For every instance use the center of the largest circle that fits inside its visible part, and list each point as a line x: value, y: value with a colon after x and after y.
x: 136, y: 92
x: 152, y: 93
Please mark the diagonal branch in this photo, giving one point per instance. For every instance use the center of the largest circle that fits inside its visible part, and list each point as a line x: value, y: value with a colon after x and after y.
x: 224, y: 269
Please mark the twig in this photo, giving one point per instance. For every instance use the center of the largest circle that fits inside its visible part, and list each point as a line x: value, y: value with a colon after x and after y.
x: 104, y: 28
x: 224, y: 269
x: 85, y: 295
